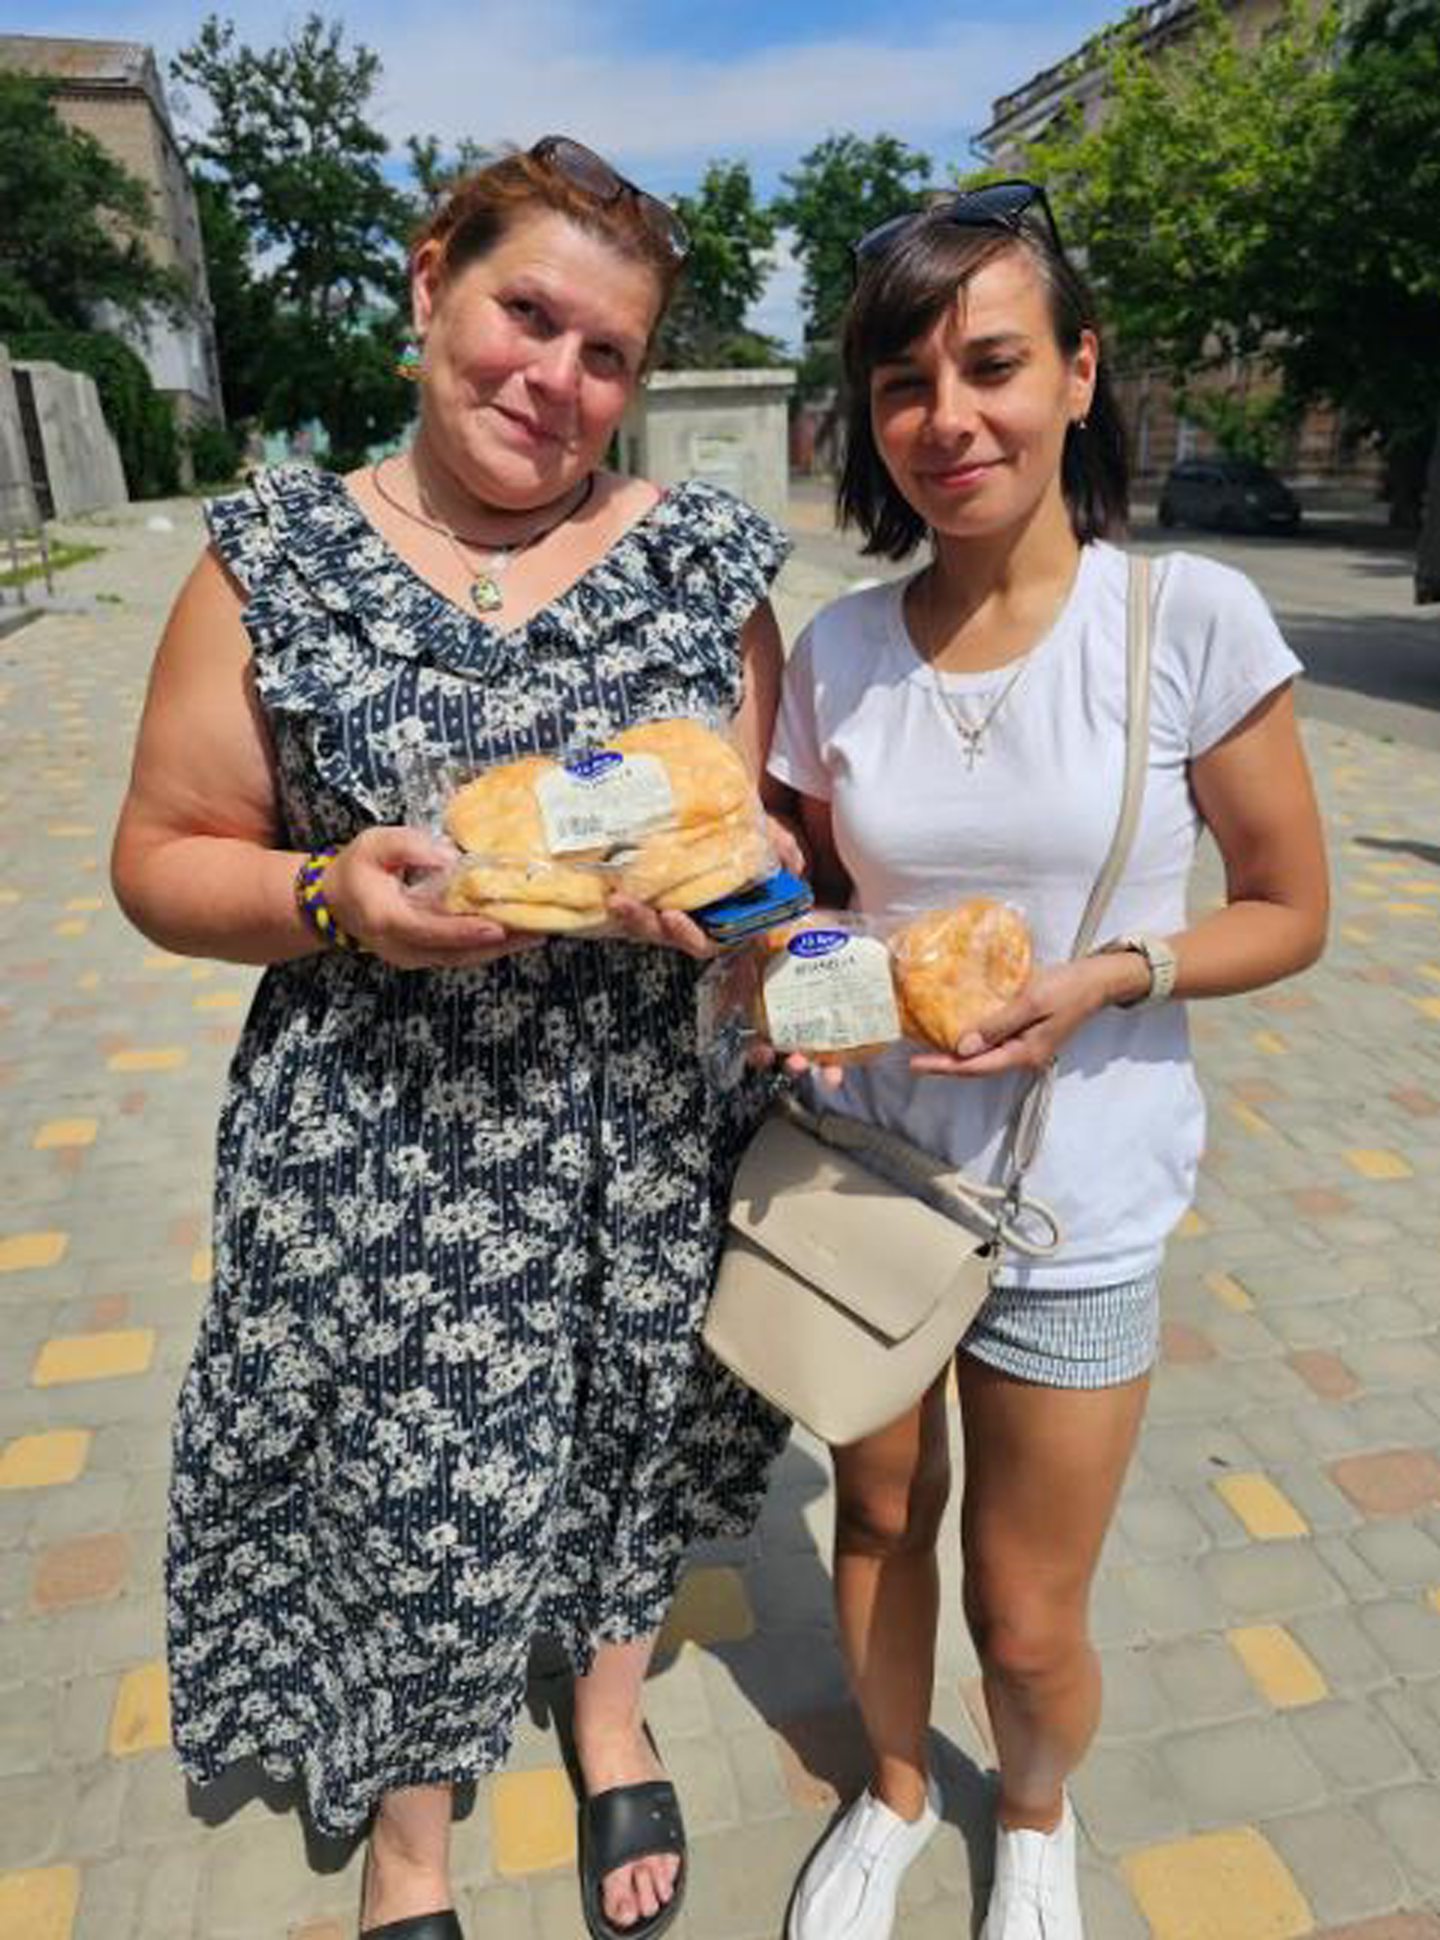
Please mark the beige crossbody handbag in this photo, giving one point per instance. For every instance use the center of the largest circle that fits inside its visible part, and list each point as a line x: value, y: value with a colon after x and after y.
x: 854, y: 1261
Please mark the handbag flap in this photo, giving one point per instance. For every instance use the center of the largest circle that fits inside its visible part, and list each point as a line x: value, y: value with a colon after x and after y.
x: 876, y: 1250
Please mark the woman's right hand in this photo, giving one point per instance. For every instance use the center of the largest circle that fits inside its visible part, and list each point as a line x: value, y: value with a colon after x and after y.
x: 794, y: 1064
x: 366, y: 891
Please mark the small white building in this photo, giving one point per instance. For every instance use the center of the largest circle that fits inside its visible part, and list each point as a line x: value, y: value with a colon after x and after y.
x: 728, y: 426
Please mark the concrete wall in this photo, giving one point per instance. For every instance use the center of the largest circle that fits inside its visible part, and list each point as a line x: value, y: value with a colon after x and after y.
x: 82, y: 463
x: 728, y: 426
x: 18, y: 512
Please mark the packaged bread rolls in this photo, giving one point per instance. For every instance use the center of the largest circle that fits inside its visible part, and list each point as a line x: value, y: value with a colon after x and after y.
x: 664, y: 812
x: 954, y: 967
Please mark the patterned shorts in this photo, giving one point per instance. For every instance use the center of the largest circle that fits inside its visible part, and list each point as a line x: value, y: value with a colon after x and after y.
x: 1070, y: 1337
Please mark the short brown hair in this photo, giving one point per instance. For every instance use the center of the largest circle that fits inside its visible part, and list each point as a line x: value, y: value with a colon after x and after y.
x: 901, y: 295
x: 482, y: 207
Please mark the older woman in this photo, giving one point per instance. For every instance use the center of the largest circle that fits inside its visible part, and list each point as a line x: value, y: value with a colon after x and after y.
x: 963, y: 730
x: 448, y: 1389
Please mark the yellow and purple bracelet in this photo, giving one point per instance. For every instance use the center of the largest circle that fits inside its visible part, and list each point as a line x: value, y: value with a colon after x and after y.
x: 311, y: 902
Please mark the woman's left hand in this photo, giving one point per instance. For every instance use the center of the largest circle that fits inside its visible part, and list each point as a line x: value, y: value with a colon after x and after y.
x: 1030, y: 1032
x: 671, y: 929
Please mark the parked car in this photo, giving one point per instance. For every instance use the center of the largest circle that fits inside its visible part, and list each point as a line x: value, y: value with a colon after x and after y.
x: 1228, y: 494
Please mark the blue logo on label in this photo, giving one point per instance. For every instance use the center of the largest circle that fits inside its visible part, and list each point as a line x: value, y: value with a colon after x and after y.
x: 590, y: 767
x: 817, y: 943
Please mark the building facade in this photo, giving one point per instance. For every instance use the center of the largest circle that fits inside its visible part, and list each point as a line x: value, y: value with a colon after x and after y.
x: 1324, y: 454
x: 111, y: 90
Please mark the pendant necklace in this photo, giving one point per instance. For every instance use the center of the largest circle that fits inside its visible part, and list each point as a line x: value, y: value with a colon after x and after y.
x: 972, y: 733
x: 487, y: 594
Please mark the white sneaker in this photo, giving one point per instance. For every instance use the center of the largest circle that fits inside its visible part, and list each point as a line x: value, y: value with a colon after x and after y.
x: 849, y: 1888
x: 1036, y: 1895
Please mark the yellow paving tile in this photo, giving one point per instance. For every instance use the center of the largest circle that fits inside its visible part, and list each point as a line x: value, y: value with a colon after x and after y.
x: 1430, y: 970
x: 1247, y: 1117
x: 1390, y: 868
x: 1408, y: 909
x: 1373, y: 890
x: 1373, y: 1163
x: 141, y: 1718
x: 202, y: 1266
x: 39, y: 1905
x: 8, y: 896
x: 1271, y: 1043
x: 89, y: 981
x: 19, y: 1252
x: 1420, y: 887
x: 711, y: 1607
x: 1268, y: 1513
x: 44, y: 1461
x: 220, y: 1000
x: 94, y: 1357
x: 1221, y: 1886
x: 201, y: 972
x: 168, y: 1058
x: 86, y: 902
x: 70, y: 831
x: 163, y: 960
x: 1230, y: 1293
x: 533, y: 1821
x: 1433, y: 1598
x: 1192, y: 1225
x: 1353, y: 933
x: 1281, y: 1671
x: 59, y: 1132
x: 71, y: 926
x: 1429, y: 1005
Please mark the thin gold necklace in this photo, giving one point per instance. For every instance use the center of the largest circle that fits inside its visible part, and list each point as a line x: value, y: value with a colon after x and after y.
x: 487, y: 594
x: 972, y: 733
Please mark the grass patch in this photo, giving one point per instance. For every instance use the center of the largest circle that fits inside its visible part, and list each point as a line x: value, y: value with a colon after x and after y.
x: 61, y: 556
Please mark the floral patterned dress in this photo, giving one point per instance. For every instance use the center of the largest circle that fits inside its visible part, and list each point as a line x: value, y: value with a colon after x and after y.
x: 448, y: 1390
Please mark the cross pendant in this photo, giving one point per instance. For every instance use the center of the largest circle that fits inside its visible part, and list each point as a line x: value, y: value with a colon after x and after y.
x: 972, y: 747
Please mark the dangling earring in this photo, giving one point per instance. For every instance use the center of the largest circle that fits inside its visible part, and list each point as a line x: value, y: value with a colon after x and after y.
x: 408, y: 363
x: 1079, y: 424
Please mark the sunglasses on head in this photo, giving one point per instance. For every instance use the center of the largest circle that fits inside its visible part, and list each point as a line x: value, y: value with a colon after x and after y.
x: 583, y: 169
x: 999, y: 205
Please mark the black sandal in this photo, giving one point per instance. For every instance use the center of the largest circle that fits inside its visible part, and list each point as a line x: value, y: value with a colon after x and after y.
x: 420, y: 1926
x: 617, y: 1827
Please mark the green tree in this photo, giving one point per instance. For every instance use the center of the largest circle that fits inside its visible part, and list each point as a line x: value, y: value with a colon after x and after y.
x: 731, y: 235
x: 1271, y: 206
x: 244, y: 308
x: 436, y: 173
x: 842, y: 187
x: 72, y: 222
x: 288, y: 138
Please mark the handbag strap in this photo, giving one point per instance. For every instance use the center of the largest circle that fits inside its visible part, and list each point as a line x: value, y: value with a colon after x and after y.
x: 1006, y: 1210
x: 1032, y: 1111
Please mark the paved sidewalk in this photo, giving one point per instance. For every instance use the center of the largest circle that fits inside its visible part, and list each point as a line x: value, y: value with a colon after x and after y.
x: 1269, y: 1609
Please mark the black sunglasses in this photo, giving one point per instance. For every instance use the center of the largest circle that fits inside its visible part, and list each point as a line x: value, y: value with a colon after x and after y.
x: 999, y: 205
x: 591, y: 173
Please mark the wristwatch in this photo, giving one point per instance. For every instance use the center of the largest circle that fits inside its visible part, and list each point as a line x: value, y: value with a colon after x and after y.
x: 1160, y: 959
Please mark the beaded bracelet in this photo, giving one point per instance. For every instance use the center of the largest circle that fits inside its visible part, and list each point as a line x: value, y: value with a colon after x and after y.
x: 310, y: 900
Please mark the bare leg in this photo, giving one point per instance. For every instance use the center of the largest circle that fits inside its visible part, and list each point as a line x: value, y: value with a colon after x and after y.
x: 891, y: 1490
x: 1043, y: 1472
x: 409, y: 1862
x: 613, y: 1750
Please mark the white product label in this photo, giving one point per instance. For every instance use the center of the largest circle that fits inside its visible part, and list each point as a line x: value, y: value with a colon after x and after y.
x: 830, y: 991
x: 604, y: 801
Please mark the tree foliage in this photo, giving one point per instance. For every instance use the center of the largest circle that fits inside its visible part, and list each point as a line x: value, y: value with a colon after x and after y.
x: 298, y: 166
x: 72, y: 221
x: 731, y: 235
x: 842, y: 187
x: 1270, y: 206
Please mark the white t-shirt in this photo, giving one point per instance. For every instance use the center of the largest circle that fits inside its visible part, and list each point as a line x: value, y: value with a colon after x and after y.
x: 862, y: 727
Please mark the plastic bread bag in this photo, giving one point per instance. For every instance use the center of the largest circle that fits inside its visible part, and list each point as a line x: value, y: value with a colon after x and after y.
x: 955, y: 967
x: 665, y: 812
x: 841, y: 987
x: 822, y: 985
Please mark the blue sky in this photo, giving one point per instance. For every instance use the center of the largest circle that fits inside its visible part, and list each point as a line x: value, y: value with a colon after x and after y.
x: 662, y: 86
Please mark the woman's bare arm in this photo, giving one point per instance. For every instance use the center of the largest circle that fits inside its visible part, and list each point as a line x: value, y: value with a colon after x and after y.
x: 197, y: 864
